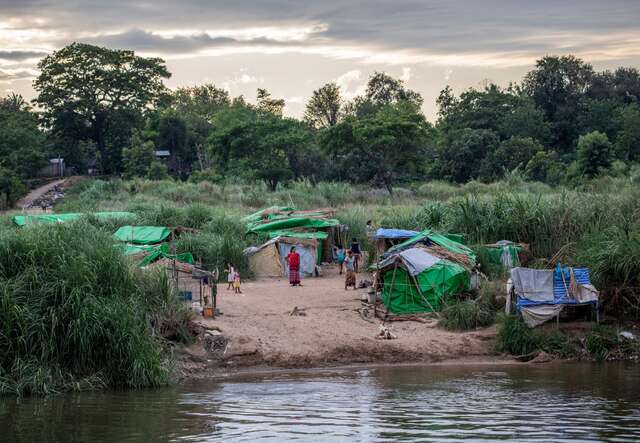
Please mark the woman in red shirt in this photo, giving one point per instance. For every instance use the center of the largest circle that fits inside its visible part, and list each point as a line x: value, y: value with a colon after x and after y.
x: 293, y: 260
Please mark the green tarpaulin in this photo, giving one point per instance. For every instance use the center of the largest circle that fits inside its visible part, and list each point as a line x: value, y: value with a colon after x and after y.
x: 294, y: 222
x: 259, y: 215
x: 436, y: 283
x: 438, y: 239
x: 142, y: 235
x: 155, y: 252
x: 504, y: 255
x: 319, y: 235
x: 46, y: 219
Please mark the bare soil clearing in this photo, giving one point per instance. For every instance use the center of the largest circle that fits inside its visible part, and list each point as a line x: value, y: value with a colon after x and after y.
x: 327, y: 331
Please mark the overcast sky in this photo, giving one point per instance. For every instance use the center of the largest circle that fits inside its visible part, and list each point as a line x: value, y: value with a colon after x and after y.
x: 292, y: 47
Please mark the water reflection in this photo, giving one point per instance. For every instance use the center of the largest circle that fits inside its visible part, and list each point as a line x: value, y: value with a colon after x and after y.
x: 568, y: 402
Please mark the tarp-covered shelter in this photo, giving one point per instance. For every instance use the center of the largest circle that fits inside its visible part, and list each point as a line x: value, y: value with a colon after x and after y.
x: 286, y: 222
x: 505, y: 253
x: 415, y: 280
x: 543, y: 293
x: 268, y: 259
x: 440, y: 244
x: 47, y: 219
x: 142, y: 235
x: 386, y: 238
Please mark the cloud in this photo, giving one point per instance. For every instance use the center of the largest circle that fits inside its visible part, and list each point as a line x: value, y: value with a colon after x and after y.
x: 492, y: 33
x: 20, y: 55
x: 9, y: 75
x: 242, y: 78
x: 350, y: 84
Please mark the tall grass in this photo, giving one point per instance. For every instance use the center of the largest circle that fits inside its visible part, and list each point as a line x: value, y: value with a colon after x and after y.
x: 74, y: 313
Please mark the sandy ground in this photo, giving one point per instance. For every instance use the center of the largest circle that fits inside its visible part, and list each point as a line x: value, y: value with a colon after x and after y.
x: 261, y: 331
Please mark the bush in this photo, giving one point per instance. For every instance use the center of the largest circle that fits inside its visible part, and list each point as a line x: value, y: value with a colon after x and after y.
x: 75, y: 313
x: 600, y: 341
x: 464, y: 315
x: 516, y: 338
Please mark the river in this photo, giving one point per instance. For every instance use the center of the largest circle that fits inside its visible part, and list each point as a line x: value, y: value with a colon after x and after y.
x: 557, y: 402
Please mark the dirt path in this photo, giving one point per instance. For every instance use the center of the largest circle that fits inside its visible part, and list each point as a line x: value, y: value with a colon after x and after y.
x: 26, y: 201
x: 332, y: 332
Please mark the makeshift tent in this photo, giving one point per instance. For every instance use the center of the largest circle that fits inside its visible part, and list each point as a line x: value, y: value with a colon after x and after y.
x: 268, y: 259
x: 414, y: 280
x: 315, y: 224
x: 543, y: 293
x: 46, y: 219
x: 387, y: 238
x: 460, y: 253
x: 505, y: 253
x: 146, y: 254
x: 142, y: 235
x: 294, y: 222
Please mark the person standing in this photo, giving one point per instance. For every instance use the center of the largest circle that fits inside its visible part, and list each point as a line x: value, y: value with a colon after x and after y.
x: 355, y: 251
x: 230, y: 276
x: 349, y: 265
x: 236, y: 282
x: 293, y: 260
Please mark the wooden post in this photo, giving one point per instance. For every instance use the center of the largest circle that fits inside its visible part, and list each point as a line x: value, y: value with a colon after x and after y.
x: 415, y: 281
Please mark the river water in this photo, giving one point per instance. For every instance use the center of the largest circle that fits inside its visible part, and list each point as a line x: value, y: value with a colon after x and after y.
x: 558, y: 402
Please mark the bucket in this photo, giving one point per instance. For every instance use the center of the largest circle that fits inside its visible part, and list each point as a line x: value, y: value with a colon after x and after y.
x: 371, y: 297
x: 208, y: 311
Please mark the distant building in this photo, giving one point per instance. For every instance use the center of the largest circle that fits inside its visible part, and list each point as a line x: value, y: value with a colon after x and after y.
x: 55, y: 168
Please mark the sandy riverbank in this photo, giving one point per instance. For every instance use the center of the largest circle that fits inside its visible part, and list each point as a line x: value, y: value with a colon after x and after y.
x: 261, y: 333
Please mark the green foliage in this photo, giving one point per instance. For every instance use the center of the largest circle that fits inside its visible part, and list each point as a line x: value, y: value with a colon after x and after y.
x: 157, y: 171
x: 138, y: 158
x: 85, y: 89
x: 594, y: 153
x: 11, y: 188
x: 22, y: 144
x: 75, y: 314
x: 600, y: 341
x: 465, y: 315
x: 516, y: 338
x: 323, y: 108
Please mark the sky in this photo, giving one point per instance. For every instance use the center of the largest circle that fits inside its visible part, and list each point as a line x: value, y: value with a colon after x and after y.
x: 291, y: 47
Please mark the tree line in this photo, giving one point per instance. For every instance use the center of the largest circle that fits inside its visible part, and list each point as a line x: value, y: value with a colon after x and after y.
x: 109, y: 111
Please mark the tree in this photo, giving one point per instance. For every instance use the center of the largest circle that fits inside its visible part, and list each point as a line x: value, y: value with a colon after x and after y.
x: 250, y: 143
x: 138, y: 158
x: 557, y: 84
x: 90, y: 84
x: 382, y: 148
x: 461, y: 154
x: 22, y: 144
x: 628, y: 140
x: 157, y: 171
x: 544, y: 167
x: 323, y: 108
x: 510, y: 154
x: 173, y: 136
x: 594, y: 153
x: 11, y: 188
x: 265, y: 103
x: 382, y: 90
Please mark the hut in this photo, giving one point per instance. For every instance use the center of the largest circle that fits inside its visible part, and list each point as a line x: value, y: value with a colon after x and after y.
x: 386, y: 238
x: 268, y: 259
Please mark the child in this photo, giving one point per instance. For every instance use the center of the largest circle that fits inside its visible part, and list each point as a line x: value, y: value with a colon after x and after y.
x: 349, y: 264
x: 236, y: 282
x: 230, y: 275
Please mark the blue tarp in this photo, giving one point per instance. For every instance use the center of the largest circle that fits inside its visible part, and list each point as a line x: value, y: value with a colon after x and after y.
x: 395, y: 233
x: 560, y: 295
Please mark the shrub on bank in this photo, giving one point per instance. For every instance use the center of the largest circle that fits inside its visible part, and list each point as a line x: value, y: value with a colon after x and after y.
x: 75, y: 314
x: 465, y: 315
